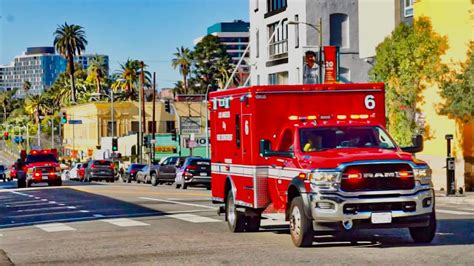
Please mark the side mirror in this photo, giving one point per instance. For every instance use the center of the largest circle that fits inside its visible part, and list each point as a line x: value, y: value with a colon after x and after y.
x: 417, y: 145
x: 266, y: 150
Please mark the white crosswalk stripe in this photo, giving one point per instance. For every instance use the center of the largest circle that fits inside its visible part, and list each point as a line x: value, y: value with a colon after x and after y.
x: 193, y: 218
x: 124, y: 222
x: 55, y: 227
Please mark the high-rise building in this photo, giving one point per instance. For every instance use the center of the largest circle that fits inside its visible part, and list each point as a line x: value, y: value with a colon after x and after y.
x: 235, y: 38
x: 40, y: 66
x: 283, y: 31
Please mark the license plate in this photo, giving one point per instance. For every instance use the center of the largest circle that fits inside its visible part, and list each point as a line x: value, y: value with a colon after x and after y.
x: 203, y: 174
x: 381, y: 217
x: 44, y: 178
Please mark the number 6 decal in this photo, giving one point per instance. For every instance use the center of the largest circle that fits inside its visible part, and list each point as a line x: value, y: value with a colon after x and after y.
x: 369, y: 102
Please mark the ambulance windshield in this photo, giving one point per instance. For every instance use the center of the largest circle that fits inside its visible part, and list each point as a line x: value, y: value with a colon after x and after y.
x: 324, y: 138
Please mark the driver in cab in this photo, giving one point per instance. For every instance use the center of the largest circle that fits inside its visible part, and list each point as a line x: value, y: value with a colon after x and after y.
x: 313, y: 143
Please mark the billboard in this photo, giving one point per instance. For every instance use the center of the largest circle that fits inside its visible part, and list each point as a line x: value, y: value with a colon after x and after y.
x: 190, y: 125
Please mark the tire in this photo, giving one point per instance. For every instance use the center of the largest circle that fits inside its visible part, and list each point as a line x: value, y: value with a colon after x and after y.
x: 184, y: 185
x: 154, y: 180
x: 253, y: 223
x: 424, y: 234
x: 112, y: 180
x: 21, y: 183
x: 208, y: 187
x: 301, y: 230
x: 235, y: 220
x: 28, y: 183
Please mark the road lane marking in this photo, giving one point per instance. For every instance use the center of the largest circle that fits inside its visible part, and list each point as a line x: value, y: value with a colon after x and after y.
x: 454, y: 212
x: 193, y: 218
x: 43, y: 209
x: 180, y: 203
x: 124, y: 222
x: 55, y: 227
x: 27, y: 205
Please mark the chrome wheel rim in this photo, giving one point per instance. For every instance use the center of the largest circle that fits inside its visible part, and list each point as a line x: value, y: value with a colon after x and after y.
x: 295, y: 222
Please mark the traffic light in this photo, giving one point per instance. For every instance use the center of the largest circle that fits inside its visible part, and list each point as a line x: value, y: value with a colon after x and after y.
x: 173, y: 135
x: 168, y: 106
x: 5, y: 135
x: 146, y: 141
x: 63, y: 118
x: 114, y: 144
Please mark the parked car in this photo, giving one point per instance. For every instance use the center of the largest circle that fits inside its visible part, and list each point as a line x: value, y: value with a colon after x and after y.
x: 131, y: 172
x: 3, y: 172
x: 74, y: 172
x: 196, y: 171
x: 100, y: 170
x: 143, y: 175
x: 165, y: 170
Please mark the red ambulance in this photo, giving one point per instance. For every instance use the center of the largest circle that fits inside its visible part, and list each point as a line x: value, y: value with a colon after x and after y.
x: 320, y: 154
x: 39, y: 166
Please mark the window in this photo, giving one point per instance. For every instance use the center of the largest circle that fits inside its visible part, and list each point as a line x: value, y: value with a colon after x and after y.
x: 297, y: 32
x: 257, y: 41
x: 150, y: 127
x: 274, y: 6
x: 111, y: 126
x: 278, y: 78
x: 170, y: 125
x: 339, y: 30
x: 135, y: 126
x: 278, y: 36
x: 408, y: 7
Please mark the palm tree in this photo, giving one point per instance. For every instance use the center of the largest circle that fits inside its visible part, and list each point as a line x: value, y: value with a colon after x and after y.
x: 128, y: 75
x: 4, y: 104
x: 97, y: 70
x: 70, y: 40
x: 183, y: 61
x: 35, y: 105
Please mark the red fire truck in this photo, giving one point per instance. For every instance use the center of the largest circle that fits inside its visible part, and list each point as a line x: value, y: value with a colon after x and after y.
x: 321, y: 155
x: 39, y: 166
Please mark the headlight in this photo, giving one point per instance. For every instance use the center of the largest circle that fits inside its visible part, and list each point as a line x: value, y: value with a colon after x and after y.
x: 325, y: 177
x: 423, y: 175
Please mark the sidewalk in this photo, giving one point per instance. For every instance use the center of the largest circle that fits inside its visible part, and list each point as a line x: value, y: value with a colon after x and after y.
x: 466, y: 199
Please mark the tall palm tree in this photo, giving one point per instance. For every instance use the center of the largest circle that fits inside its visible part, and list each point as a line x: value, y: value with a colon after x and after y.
x: 183, y: 61
x: 36, y: 105
x: 127, y: 76
x: 70, y: 40
x: 97, y: 70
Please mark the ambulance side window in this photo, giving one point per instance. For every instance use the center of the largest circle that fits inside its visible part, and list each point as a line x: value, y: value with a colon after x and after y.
x: 237, y: 131
x: 286, y: 141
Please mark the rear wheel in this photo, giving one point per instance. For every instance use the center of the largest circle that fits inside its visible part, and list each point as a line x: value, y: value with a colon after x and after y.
x: 424, y: 234
x: 300, y: 227
x: 235, y: 219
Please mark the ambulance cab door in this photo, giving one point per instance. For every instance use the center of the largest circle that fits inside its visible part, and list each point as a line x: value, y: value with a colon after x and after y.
x: 285, y: 166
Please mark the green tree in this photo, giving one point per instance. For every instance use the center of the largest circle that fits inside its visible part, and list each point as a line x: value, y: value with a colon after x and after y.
x: 26, y: 86
x: 97, y: 71
x: 36, y: 105
x: 207, y: 53
x: 407, y: 61
x: 127, y: 77
x: 182, y: 60
x: 70, y: 40
x: 458, y: 90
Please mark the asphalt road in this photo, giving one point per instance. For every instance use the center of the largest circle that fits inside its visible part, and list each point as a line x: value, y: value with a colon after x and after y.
x: 104, y: 224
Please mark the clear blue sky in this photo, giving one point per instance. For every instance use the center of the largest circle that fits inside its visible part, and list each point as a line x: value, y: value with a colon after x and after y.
x: 148, y: 30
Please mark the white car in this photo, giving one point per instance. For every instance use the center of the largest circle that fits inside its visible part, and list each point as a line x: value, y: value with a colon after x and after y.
x: 73, y: 173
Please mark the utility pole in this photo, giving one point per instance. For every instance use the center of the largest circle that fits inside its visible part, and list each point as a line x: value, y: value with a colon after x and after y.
x: 321, y: 81
x: 52, y: 132
x: 153, y: 131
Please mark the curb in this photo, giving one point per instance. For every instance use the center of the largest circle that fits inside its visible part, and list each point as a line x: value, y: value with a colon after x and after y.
x: 456, y: 199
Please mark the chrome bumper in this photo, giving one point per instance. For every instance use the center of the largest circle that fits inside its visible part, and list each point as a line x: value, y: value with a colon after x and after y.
x: 338, y: 200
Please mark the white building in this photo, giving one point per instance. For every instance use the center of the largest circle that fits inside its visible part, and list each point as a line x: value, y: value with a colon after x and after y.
x: 355, y: 26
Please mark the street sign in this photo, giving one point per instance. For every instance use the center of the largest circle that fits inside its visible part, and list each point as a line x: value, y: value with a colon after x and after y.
x: 190, y: 125
x: 75, y: 122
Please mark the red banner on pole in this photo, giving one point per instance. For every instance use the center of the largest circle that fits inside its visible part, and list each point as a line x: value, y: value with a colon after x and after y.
x: 331, y: 64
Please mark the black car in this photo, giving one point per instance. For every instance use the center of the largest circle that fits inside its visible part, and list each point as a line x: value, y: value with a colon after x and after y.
x: 3, y: 174
x: 131, y: 172
x: 100, y: 170
x: 195, y: 171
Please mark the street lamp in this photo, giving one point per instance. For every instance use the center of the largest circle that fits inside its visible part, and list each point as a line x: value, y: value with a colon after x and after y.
x: 319, y: 29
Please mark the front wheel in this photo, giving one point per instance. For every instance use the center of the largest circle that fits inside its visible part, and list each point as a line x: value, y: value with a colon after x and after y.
x: 154, y: 180
x: 235, y: 219
x: 424, y: 234
x: 300, y: 227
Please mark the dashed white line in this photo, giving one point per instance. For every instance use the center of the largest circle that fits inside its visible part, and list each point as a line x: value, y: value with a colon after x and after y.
x: 193, y: 218
x: 454, y: 212
x: 55, y: 227
x: 98, y: 215
x: 124, y: 222
x: 180, y: 203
